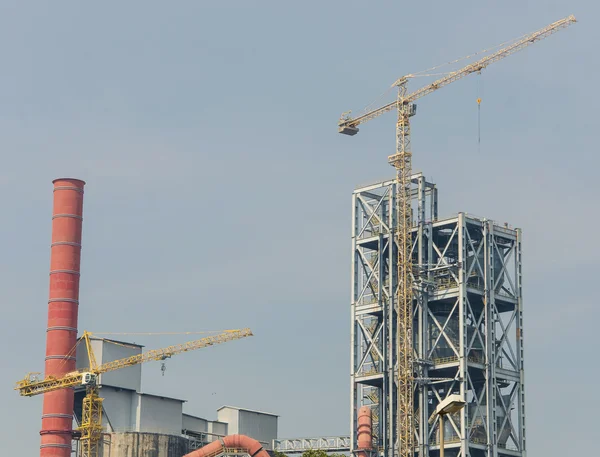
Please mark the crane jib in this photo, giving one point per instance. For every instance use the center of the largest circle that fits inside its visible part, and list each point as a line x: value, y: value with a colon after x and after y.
x: 31, y: 385
x: 348, y: 126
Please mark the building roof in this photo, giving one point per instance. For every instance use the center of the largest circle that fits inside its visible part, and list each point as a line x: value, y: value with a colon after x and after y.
x: 117, y: 388
x: 195, y: 417
x: 110, y: 340
x: 203, y: 419
x: 143, y: 394
x: 164, y: 397
x: 248, y: 410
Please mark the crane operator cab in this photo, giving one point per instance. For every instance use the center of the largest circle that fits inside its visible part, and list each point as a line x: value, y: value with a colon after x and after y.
x: 88, y: 379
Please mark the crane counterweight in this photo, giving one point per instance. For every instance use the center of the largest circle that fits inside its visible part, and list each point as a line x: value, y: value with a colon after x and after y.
x: 348, y: 130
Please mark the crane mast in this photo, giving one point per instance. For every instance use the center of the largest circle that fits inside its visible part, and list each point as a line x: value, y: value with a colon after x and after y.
x: 402, y: 162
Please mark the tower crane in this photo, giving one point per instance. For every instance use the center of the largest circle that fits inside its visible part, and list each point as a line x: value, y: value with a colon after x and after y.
x: 401, y: 161
x: 91, y: 417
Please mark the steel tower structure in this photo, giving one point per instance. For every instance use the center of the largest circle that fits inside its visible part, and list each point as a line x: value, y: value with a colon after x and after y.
x: 405, y: 368
x: 467, y: 321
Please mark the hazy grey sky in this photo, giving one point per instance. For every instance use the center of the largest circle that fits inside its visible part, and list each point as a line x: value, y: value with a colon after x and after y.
x: 218, y: 190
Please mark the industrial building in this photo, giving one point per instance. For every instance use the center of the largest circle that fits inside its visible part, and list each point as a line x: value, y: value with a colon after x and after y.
x: 467, y: 324
x: 135, y: 420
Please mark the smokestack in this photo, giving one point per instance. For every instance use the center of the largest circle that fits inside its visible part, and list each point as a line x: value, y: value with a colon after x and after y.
x: 63, y: 303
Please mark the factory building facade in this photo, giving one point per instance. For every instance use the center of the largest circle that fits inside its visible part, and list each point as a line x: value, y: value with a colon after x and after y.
x: 137, y: 422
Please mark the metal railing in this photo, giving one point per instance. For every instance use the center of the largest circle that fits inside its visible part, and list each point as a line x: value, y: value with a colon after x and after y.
x: 509, y: 447
x: 434, y: 441
x: 474, y: 282
x: 453, y: 358
x: 481, y: 441
x: 227, y: 451
x: 371, y: 372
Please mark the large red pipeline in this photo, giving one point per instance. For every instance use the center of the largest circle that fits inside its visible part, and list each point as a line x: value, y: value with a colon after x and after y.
x: 63, y: 303
x: 250, y: 445
x: 365, y: 431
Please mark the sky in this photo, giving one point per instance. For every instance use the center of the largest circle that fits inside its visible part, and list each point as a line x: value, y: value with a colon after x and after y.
x: 218, y: 189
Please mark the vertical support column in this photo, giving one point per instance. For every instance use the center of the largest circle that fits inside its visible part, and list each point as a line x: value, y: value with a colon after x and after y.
x: 490, y: 332
x: 353, y: 327
x: 441, y: 416
x: 425, y: 342
x: 520, y: 355
x: 63, y: 303
x: 434, y: 203
x: 462, y: 295
x: 387, y: 391
x: 421, y: 211
x: 489, y: 337
x: 392, y: 326
x: 383, y: 392
x: 421, y: 294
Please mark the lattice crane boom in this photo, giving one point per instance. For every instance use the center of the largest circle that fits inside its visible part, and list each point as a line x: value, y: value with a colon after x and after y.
x: 402, y: 162
x: 91, y: 415
x: 30, y: 386
x: 346, y: 124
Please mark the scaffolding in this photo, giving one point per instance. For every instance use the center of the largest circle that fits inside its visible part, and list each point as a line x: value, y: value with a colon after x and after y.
x: 467, y: 321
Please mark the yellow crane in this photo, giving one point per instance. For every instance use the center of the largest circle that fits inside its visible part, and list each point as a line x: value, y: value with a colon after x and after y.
x: 401, y: 161
x: 91, y: 417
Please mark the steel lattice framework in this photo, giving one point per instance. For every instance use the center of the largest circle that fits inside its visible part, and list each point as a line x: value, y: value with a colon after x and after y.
x: 466, y: 312
x: 323, y: 443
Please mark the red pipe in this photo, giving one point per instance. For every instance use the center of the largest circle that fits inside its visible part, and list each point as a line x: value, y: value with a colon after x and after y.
x: 63, y: 303
x: 365, y: 430
x: 250, y: 445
